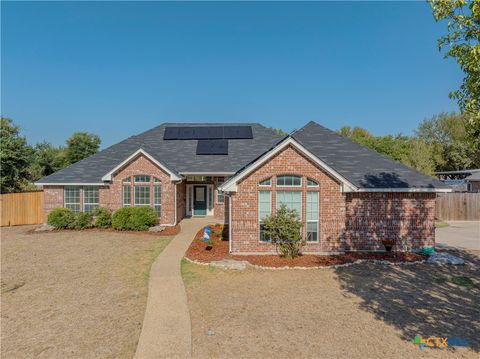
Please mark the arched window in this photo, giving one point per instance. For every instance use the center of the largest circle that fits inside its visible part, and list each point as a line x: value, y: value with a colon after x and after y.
x: 311, y: 183
x: 289, y: 181
x: 266, y: 182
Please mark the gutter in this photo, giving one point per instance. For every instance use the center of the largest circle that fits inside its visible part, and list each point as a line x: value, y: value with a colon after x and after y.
x: 229, y: 223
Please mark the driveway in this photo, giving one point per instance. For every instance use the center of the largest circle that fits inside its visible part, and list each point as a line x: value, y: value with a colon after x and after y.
x: 459, y: 234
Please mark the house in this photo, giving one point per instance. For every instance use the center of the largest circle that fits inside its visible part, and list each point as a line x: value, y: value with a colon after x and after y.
x: 473, y: 182
x: 458, y: 180
x: 349, y: 197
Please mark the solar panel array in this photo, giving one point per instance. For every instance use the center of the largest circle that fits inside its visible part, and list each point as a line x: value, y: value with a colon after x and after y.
x: 212, y: 147
x: 212, y: 140
x: 208, y: 133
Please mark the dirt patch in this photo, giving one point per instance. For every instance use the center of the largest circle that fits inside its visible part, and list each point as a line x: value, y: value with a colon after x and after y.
x: 168, y: 231
x: 362, y: 311
x: 75, y: 294
x: 203, y: 252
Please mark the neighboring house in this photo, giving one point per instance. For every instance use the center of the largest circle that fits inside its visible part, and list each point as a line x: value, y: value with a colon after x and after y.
x: 473, y: 182
x: 457, y: 180
x: 348, y: 196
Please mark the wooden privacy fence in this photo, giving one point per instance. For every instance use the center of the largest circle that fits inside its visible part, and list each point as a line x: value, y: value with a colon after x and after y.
x: 458, y: 206
x: 21, y: 208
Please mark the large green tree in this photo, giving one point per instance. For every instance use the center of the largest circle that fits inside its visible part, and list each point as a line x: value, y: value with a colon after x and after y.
x: 462, y: 42
x: 81, y: 145
x: 47, y: 159
x: 15, y: 156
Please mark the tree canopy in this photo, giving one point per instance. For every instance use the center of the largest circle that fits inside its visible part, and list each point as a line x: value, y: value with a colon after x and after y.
x: 81, y: 145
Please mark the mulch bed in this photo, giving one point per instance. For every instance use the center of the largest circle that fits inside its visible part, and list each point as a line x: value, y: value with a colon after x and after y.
x: 219, y: 250
x: 168, y: 231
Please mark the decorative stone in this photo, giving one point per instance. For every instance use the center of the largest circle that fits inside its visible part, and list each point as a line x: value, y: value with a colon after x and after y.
x: 444, y: 258
x: 158, y: 228
x: 44, y: 228
x: 230, y: 264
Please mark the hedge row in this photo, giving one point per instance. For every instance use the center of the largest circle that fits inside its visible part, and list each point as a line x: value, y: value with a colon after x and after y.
x: 127, y: 218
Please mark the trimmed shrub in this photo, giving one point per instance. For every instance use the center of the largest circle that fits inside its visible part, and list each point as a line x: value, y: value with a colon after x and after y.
x: 103, y: 217
x: 61, y: 218
x: 134, y: 218
x: 82, y: 220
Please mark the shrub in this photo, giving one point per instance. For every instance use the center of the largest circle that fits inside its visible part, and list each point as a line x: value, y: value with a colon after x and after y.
x: 134, y: 218
x: 61, y: 218
x: 103, y: 217
x: 82, y: 220
x: 284, y: 229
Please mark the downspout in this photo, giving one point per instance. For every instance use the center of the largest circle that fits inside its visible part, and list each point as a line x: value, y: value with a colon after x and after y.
x: 175, y: 222
x: 230, y: 239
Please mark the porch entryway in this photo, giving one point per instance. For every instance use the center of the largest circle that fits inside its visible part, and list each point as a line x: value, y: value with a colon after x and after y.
x: 200, y: 199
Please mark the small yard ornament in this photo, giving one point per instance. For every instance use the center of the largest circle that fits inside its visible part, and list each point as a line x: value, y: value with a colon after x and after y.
x: 207, y: 231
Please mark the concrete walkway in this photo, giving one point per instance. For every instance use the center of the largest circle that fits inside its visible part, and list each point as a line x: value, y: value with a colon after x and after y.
x: 166, y: 331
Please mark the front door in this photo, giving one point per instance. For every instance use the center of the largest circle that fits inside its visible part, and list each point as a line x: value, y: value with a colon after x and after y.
x: 199, y: 200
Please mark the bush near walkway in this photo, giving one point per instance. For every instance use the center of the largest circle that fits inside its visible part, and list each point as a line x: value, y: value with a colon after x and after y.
x: 134, y: 218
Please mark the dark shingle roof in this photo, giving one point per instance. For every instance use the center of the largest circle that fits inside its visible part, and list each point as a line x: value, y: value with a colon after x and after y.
x: 361, y: 166
x: 177, y: 155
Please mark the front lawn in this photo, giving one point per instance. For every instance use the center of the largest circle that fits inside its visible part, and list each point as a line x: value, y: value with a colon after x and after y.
x: 363, y: 311
x: 78, y: 294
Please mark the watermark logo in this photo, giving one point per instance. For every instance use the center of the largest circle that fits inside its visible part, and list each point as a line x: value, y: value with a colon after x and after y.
x: 439, y: 342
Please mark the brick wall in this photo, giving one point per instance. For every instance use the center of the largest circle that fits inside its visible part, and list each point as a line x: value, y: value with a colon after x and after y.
x: 346, y: 221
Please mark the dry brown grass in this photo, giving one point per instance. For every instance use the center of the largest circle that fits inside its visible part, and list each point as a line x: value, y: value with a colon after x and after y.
x: 362, y: 311
x: 73, y: 294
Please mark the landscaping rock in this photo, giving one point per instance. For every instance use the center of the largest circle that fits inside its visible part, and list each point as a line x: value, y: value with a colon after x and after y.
x: 444, y: 258
x: 156, y: 228
x: 229, y: 264
x: 44, y: 228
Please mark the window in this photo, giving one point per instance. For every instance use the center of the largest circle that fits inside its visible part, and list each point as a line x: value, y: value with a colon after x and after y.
x: 264, y: 210
x: 266, y: 182
x: 199, y: 179
x: 142, y: 195
x: 72, y: 198
x: 311, y: 183
x: 127, y: 192
x: 157, y: 200
x: 312, y: 216
x: 127, y: 180
x: 142, y: 179
x: 90, y: 198
x: 289, y: 180
x: 220, y: 195
x: 293, y: 200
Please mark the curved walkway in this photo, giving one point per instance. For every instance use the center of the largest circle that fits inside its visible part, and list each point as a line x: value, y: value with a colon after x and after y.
x: 166, y: 331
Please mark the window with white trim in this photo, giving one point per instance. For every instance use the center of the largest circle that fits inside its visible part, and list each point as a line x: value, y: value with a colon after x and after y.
x: 292, y: 199
x: 90, y: 198
x: 141, y: 195
x: 127, y: 192
x: 157, y: 199
x: 311, y: 183
x: 71, y: 196
x: 312, y: 216
x: 142, y: 179
x: 264, y: 210
x: 266, y: 182
x: 220, y: 195
x: 289, y: 181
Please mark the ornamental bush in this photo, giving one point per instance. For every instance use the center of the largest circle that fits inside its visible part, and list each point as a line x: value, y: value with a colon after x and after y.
x: 61, y: 218
x: 103, y: 217
x: 82, y: 220
x: 134, y: 218
x: 284, y: 229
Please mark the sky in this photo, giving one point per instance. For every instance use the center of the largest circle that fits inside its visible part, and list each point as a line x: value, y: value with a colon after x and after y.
x: 119, y: 68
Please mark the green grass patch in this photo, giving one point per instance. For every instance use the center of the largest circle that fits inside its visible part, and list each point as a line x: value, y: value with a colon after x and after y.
x: 189, y: 271
x: 462, y: 281
x: 440, y: 224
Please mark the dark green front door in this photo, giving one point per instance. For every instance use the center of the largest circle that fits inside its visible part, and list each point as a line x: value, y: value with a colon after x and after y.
x: 200, y: 200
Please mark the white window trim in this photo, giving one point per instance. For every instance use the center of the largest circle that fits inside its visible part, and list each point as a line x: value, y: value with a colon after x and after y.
x: 258, y: 213
x: 85, y: 202
x: 149, y: 197
x: 288, y: 190
x: 72, y: 203
x: 129, y: 185
x: 311, y: 221
x: 217, y: 191
x: 288, y: 185
x: 312, y: 185
x: 265, y: 185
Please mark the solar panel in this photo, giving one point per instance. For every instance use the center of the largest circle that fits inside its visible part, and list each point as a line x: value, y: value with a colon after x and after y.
x: 212, y: 147
x: 207, y: 132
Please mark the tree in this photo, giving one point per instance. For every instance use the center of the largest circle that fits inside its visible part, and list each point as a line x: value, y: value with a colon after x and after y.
x: 279, y: 131
x: 15, y: 155
x: 284, y: 229
x: 81, y: 145
x: 47, y: 159
x: 463, y: 44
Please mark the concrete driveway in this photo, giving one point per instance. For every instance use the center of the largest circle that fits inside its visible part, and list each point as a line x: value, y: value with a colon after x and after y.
x: 459, y: 234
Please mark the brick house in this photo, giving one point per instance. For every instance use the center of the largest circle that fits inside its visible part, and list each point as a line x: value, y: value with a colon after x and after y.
x: 349, y: 197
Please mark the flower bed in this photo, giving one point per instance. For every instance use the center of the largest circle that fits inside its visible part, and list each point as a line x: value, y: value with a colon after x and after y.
x: 219, y: 250
x: 168, y: 231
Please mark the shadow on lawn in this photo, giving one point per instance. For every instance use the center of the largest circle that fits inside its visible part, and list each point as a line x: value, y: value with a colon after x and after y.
x: 429, y: 300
